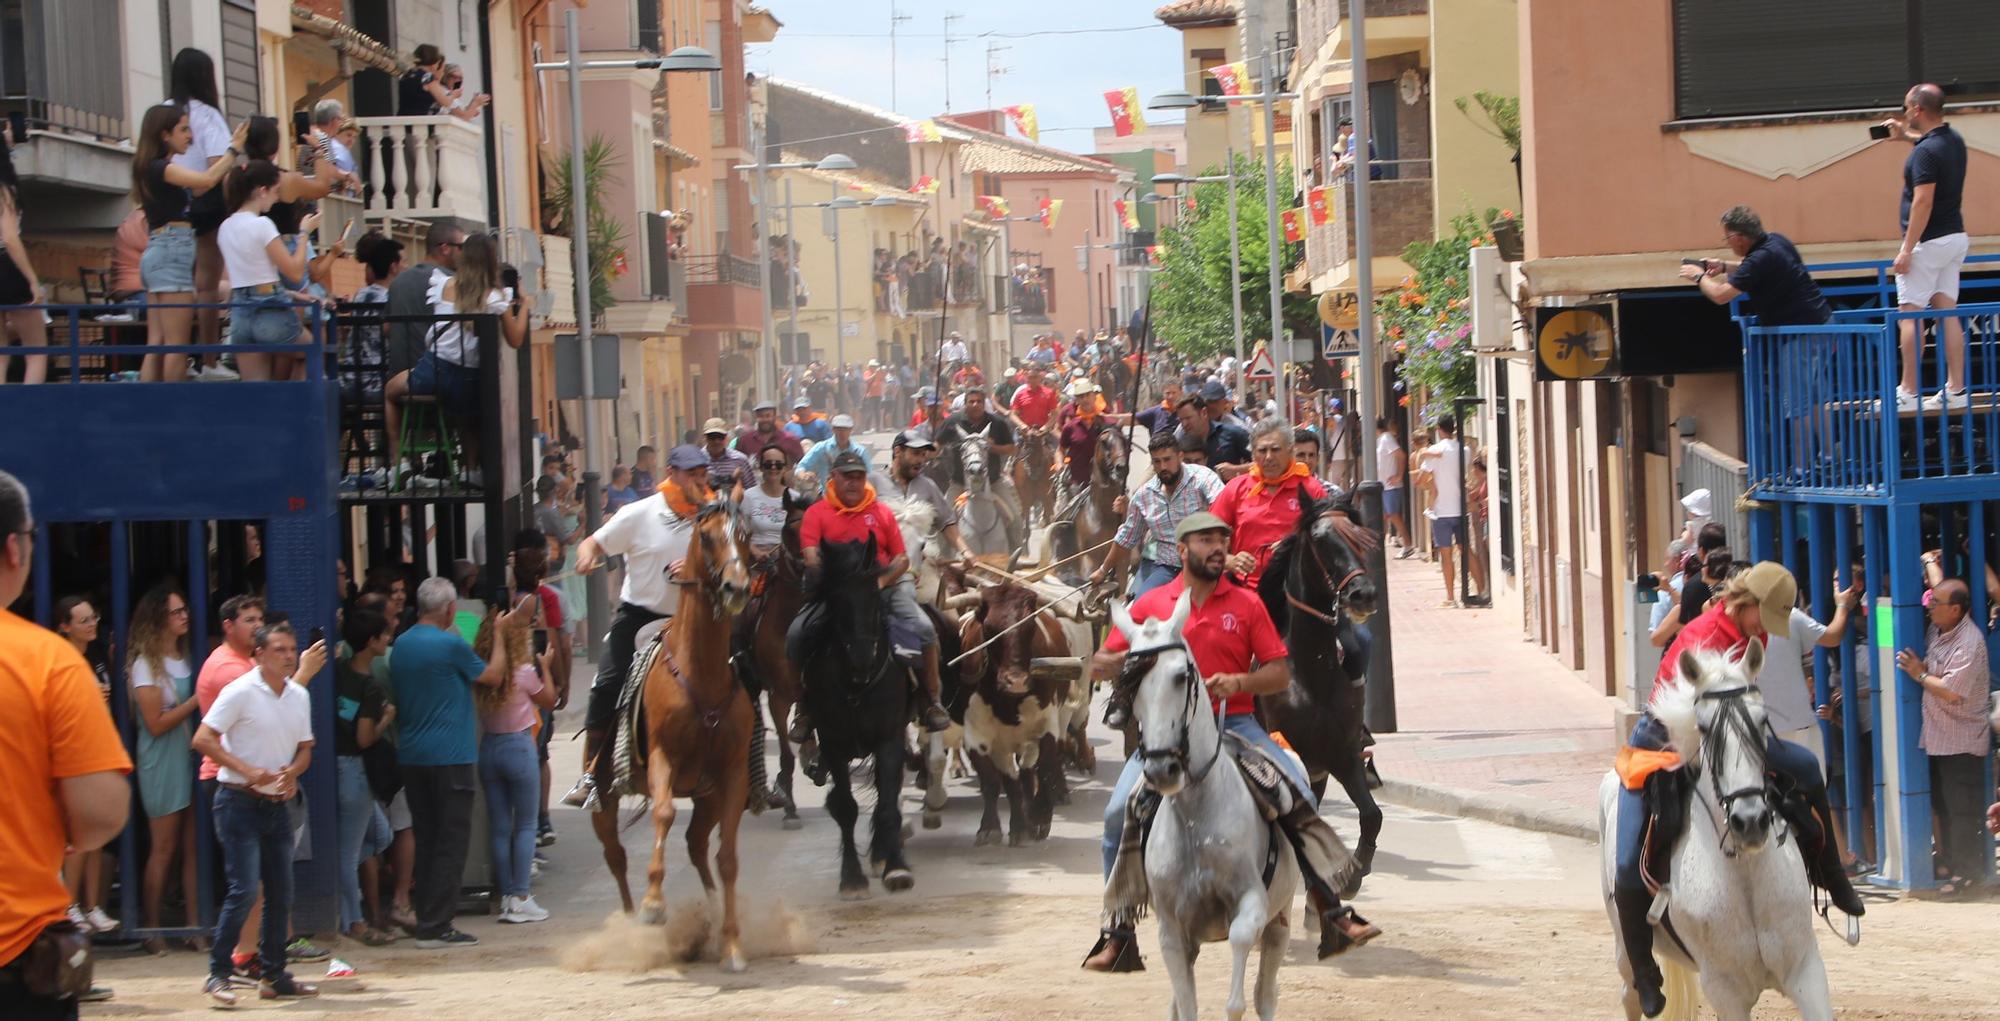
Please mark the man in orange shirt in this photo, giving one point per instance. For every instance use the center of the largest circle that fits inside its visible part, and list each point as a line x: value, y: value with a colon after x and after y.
x: 63, y: 768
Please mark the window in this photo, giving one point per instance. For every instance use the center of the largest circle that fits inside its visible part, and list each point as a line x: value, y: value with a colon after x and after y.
x: 1205, y: 59
x: 1749, y: 57
x: 715, y: 80
x: 237, y: 63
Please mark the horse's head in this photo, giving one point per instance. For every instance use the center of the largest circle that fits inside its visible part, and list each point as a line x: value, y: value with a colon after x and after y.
x: 852, y: 597
x: 1109, y: 465
x: 1001, y: 607
x: 1169, y: 695
x: 1330, y: 532
x: 1715, y: 716
x: 972, y: 455
x: 717, y: 558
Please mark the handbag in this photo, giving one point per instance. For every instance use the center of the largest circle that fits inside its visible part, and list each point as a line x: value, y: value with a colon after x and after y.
x: 57, y: 965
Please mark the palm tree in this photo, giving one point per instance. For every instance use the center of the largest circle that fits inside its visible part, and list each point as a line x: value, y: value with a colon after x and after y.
x: 607, y: 233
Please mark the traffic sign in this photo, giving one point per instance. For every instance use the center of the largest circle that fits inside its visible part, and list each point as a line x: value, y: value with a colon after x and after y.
x: 1335, y: 343
x: 1340, y: 309
x: 1261, y: 366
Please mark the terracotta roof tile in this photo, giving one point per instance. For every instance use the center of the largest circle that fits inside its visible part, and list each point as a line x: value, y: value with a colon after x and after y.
x: 1183, y: 11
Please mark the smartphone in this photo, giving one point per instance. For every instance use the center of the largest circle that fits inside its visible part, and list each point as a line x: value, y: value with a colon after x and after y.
x: 301, y: 124
x: 1878, y: 131
x: 347, y: 236
x: 1694, y: 262
x: 541, y: 640
x: 318, y: 635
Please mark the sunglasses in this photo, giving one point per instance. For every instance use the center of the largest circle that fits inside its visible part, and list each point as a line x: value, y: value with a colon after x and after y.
x: 774, y: 466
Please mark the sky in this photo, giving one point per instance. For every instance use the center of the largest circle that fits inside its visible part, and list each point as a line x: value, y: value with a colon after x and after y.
x: 842, y: 46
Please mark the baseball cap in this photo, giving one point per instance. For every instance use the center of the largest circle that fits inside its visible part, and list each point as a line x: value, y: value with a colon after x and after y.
x: 714, y: 427
x: 915, y: 439
x: 848, y: 462
x: 765, y: 406
x: 687, y: 458
x: 843, y: 421
x: 1199, y: 521
x: 1213, y: 390
x: 1776, y: 591
x: 803, y: 402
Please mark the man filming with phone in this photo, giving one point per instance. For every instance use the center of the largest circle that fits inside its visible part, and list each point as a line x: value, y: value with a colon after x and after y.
x: 1768, y: 274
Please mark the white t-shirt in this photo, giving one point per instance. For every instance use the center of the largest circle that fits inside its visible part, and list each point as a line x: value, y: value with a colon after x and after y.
x: 263, y: 728
x: 953, y: 351
x: 1340, y: 439
x: 170, y: 687
x: 1449, y: 502
x: 244, y: 238
x: 1788, y: 696
x: 1386, y: 471
x: 767, y: 516
x: 211, y: 136
x: 650, y: 538
x: 452, y: 341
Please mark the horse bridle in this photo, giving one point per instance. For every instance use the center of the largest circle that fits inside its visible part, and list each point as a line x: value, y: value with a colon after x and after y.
x: 712, y: 577
x: 1182, y: 752
x: 1733, y: 716
x: 1326, y: 576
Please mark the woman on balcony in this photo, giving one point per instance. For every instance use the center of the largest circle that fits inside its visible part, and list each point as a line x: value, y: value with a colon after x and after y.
x: 263, y: 312
x: 296, y: 195
x: 192, y: 88
x: 18, y: 283
x: 165, y: 192
x: 423, y: 92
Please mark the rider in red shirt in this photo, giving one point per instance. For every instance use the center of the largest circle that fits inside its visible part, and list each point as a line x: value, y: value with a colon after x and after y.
x: 1238, y: 654
x: 1034, y: 403
x: 1262, y: 504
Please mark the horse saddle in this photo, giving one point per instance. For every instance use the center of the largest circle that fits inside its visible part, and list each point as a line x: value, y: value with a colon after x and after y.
x: 1667, y: 795
x: 629, y: 726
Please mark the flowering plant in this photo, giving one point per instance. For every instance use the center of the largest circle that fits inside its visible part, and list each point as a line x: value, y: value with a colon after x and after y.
x: 1429, y: 318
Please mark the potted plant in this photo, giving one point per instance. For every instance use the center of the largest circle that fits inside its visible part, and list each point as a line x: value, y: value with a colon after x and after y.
x: 1506, y: 231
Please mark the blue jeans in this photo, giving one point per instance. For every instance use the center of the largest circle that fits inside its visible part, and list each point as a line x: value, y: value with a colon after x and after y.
x: 1243, y: 725
x: 1151, y: 575
x: 355, y: 803
x: 255, y: 837
x: 512, y: 776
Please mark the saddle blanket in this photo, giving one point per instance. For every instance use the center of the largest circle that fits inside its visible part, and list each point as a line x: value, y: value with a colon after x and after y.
x: 1126, y: 891
x: 628, y: 743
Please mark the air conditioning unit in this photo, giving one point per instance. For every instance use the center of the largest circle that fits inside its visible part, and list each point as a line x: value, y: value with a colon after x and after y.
x: 1492, y: 311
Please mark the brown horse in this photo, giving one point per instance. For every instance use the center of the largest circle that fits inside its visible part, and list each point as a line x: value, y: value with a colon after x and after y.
x: 784, y: 594
x: 1034, y: 478
x: 697, y: 724
x: 1096, y: 522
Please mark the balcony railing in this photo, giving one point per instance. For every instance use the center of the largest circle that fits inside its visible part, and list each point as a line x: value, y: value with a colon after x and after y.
x: 423, y: 167
x: 722, y: 269
x: 1400, y: 213
x: 59, y: 68
x: 666, y: 272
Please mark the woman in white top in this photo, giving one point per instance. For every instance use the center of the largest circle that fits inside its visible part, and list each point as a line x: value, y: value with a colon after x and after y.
x: 164, y: 705
x: 192, y: 81
x: 450, y: 368
x: 769, y: 504
x: 262, y: 311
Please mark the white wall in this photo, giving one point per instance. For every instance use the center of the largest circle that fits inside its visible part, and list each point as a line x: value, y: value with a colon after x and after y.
x: 450, y: 25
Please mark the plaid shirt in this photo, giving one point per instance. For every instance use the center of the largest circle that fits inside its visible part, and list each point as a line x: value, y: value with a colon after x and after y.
x: 1958, y: 658
x: 1150, y: 511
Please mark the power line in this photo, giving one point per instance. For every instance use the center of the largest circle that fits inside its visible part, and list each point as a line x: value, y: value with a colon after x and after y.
x: 979, y: 35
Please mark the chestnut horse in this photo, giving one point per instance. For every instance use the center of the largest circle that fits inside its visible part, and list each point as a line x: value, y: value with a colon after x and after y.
x: 697, y: 724
x: 784, y: 595
x: 1096, y: 522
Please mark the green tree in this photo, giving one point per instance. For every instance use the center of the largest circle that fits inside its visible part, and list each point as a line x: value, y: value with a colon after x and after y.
x: 607, y: 232
x: 1190, y: 289
x: 1428, y: 319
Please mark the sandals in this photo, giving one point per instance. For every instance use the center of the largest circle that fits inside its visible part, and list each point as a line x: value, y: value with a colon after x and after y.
x: 154, y: 945
x: 377, y: 937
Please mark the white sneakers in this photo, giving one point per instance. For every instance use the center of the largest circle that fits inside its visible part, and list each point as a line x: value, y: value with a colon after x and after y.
x: 94, y: 920
x: 521, y: 910
x: 1942, y: 400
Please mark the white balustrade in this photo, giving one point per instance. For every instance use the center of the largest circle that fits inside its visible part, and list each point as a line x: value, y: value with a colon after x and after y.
x: 424, y: 167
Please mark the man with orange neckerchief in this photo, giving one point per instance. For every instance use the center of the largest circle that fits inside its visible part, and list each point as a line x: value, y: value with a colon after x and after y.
x: 652, y: 535
x: 1262, y: 504
x: 850, y: 513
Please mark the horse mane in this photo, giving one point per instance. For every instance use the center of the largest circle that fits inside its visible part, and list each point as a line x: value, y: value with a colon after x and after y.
x: 1676, y: 704
x: 1271, y: 587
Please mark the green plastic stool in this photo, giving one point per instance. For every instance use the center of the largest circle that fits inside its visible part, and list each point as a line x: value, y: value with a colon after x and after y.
x: 435, y: 436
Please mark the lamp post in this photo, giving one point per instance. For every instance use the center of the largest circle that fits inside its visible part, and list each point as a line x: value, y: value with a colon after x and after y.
x: 767, y: 357
x: 1235, y: 254
x: 688, y: 59
x: 1268, y: 98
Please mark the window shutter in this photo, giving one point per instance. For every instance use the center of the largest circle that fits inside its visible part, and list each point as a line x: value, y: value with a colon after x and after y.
x: 237, y: 63
x: 1961, y: 48
x: 1736, y: 57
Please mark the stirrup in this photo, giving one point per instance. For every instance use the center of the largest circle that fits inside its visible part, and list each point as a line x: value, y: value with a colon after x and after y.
x: 1128, y: 958
x: 1661, y: 902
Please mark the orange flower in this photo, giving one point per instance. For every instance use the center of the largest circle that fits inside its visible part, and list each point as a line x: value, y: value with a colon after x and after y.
x: 1451, y: 281
x: 1506, y: 214
x: 1395, y: 331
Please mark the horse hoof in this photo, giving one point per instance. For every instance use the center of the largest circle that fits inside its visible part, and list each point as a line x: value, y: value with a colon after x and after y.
x: 898, y: 880
x: 854, y: 892
x: 932, y: 820
x: 1017, y: 838
x: 735, y: 963
x: 792, y: 822
x: 652, y: 914
x: 986, y: 837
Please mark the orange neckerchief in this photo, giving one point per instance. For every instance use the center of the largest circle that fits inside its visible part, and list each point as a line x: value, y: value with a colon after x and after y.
x: 678, y: 500
x: 867, y: 499
x: 1095, y: 408
x: 1298, y: 470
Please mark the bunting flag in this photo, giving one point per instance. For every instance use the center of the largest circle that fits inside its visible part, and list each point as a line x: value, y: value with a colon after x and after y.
x: 1322, y: 210
x: 1126, y: 215
x: 995, y: 206
x: 921, y: 131
x: 1125, y: 115
x: 1051, y: 208
x: 1232, y: 77
x: 926, y: 185
x: 1153, y: 253
x: 1023, y: 116
x: 1294, y: 229
x: 1190, y: 202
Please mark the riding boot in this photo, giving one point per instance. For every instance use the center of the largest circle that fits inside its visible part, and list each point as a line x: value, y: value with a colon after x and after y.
x: 583, y: 794
x: 1811, y: 818
x: 1637, y: 932
x: 1116, y: 950
x: 1340, y: 928
x: 934, y: 717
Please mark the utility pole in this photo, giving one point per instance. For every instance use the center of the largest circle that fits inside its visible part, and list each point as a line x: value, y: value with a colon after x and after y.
x: 948, y: 19
x: 1273, y: 233
x: 894, y: 20
x: 1379, y: 709
x: 993, y: 69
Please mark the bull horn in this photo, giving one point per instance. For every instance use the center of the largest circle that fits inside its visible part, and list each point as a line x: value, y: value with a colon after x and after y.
x: 1060, y: 668
x: 1014, y: 559
x: 961, y: 601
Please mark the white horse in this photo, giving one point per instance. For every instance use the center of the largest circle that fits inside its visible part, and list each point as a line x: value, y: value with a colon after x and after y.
x: 1205, y: 854
x: 1742, y: 908
x: 987, y: 519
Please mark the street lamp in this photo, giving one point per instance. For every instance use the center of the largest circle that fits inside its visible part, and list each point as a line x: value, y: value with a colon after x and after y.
x: 1235, y: 250
x: 689, y: 59
x: 767, y: 355
x: 1268, y: 98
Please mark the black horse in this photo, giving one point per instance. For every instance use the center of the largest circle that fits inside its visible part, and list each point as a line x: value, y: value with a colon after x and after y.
x: 859, y: 699
x: 1317, y: 589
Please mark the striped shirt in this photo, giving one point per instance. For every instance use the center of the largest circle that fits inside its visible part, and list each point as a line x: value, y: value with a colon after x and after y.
x: 1957, y: 658
x: 1153, y: 512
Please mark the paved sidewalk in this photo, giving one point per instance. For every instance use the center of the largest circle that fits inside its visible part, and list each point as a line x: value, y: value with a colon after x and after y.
x: 1488, y: 724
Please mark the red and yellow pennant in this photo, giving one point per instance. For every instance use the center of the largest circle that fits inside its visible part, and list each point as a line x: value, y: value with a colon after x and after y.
x: 1051, y: 208
x: 1126, y: 215
x: 995, y: 206
x: 1321, y: 205
x: 1295, y: 229
x: 921, y: 131
x: 926, y: 185
x: 1232, y: 77
x: 1125, y: 115
x: 1023, y: 116
x: 1190, y: 202
x: 1153, y: 253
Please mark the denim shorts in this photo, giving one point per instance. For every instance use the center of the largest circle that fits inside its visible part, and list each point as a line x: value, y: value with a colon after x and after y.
x: 168, y: 265
x: 1447, y: 532
x: 263, y: 318
x: 1392, y: 501
x: 455, y: 386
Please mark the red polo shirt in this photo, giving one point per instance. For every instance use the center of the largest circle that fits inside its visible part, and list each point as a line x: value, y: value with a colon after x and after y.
x: 825, y: 523
x: 1226, y: 633
x: 1258, y: 521
x: 1712, y: 630
x: 1034, y: 404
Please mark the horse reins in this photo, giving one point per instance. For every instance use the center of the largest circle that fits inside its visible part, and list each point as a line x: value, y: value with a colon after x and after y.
x: 1733, y: 718
x: 1183, y: 750
x: 1325, y: 576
